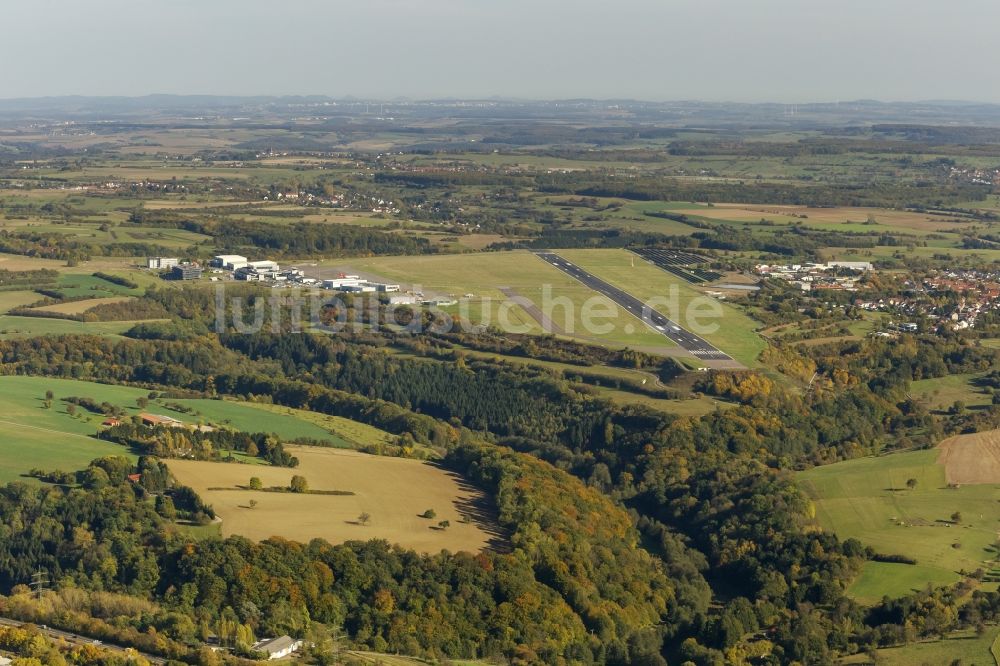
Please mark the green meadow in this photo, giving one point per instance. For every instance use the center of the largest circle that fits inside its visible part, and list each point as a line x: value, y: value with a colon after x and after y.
x: 961, y: 647
x: 868, y: 499
x: 36, y: 436
x: 943, y: 392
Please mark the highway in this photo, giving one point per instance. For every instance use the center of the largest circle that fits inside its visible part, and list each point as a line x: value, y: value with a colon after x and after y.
x: 75, y: 639
x: 695, y: 345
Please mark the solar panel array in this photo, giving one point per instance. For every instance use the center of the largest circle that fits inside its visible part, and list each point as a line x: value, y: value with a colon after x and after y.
x: 679, y: 263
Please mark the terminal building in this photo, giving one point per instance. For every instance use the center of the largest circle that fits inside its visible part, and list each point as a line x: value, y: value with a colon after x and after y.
x: 343, y: 281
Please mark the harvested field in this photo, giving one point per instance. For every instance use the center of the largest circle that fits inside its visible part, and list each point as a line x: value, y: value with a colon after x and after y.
x: 973, y: 458
x: 818, y: 217
x: 14, y: 262
x: 79, y: 307
x: 17, y: 299
x: 393, y: 491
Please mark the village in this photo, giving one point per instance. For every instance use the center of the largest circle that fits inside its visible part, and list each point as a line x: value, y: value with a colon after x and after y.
x: 951, y: 300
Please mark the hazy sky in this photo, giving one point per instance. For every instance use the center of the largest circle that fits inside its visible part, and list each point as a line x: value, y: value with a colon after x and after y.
x: 742, y: 50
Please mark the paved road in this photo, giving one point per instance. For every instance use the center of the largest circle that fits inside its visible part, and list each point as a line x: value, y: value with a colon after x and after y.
x: 695, y: 345
x: 75, y: 639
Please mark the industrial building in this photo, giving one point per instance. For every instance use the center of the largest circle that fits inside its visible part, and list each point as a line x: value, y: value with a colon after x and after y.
x: 342, y: 281
x: 159, y: 263
x: 252, y: 274
x: 264, y: 266
x: 229, y: 262
x: 186, y: 271
x: 355, y: 284
x: 852, y: 265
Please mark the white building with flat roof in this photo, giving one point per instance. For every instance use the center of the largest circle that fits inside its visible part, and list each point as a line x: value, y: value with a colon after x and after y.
x: 852, y: 265
x: 265, y: 265
x: 229, y: 261
x: 162, y: 262
x: 340, y: 283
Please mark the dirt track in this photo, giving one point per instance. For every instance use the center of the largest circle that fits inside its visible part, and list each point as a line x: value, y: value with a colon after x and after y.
x: 971, y: 458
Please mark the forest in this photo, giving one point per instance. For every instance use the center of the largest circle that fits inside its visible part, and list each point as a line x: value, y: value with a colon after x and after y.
x: 580, y: 483
x: 646, y: 507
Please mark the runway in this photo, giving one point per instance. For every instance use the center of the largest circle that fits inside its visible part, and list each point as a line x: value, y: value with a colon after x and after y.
x: 694, y: 344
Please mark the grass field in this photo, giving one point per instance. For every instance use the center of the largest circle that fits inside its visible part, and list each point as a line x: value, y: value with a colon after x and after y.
x: 953, y: 256
x: 352, y: 432
x: 868, y: 499
x: 89, y: 231
x: 79, y: 307
x: 734, y: 333
x: 17, y: 262
x: 393, y: 491
x: 962, y: 647
x: 971, y: 458
x: 29, y: 327
x: 248, y: 417
x: 17, y: 299
x: 830, y: 219
x: 51, y: 438
x: 382, y: 659
x: 943, y: 392
x: 635, y: 215
x: 75, y: 285
x: 484, y: 275
x: 693, y: 407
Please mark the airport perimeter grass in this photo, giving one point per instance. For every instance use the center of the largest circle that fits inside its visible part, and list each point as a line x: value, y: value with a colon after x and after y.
x: 868, y: 499
x: 484, y: 275
x: 735, y: 333
x: 52, y: 439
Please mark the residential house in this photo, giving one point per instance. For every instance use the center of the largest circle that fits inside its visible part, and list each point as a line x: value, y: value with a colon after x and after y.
x: 277, y: 648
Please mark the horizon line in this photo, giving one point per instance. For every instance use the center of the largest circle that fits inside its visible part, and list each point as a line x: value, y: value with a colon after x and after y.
x: 405, y: 99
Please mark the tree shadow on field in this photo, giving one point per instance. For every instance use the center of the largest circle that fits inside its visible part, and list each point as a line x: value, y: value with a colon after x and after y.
x: 478, y: 508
